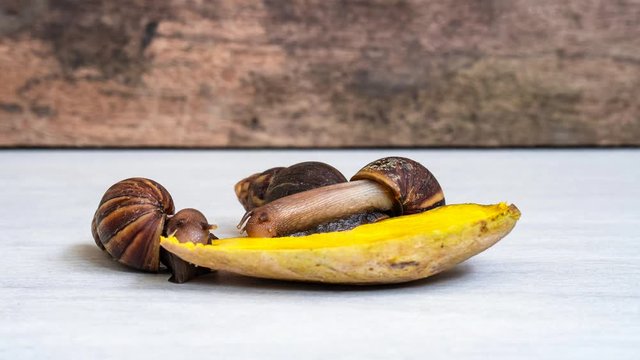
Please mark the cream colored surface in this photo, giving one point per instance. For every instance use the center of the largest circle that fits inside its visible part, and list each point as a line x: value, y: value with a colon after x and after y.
x: 562, y: 285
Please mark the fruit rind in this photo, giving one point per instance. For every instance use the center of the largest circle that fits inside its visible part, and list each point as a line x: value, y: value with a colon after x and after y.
x: 397, y: 250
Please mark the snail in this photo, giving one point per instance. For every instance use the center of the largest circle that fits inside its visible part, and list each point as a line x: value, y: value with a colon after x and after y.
x: 275, y: 183
x: 187, y: 225
x: 393, y: 186
x: 131, y: 217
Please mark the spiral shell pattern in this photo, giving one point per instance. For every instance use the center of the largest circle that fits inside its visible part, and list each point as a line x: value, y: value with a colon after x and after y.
x: 251, y: 190
x: 414, y: 187
x: 130, y: 220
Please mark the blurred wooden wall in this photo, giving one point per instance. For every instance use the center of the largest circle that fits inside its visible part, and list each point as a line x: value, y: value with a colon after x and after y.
x: 319, y: 73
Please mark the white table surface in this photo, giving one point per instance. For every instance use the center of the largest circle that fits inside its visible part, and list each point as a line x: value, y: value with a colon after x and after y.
x: 564, y: 284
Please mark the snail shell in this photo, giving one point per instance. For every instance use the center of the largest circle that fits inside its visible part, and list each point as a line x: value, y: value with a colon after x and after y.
x: 413, y: 186
x: 262, y: 188
x: 302, y: 177
x: 130, y: 220
x: 251, y: 190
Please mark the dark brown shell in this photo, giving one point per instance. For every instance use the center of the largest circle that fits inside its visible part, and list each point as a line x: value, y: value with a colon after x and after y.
x: 302, y: 177
x: 251, y: 190
x: 413, y: 186
x: 130, y: 220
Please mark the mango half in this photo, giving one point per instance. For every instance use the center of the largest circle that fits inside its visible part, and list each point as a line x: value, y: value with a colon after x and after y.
x: 396, y: 250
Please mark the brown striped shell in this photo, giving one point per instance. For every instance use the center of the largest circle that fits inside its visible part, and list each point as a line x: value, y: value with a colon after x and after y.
x: 413, y: 186
x: 251, y: 190
x: 130, y: 220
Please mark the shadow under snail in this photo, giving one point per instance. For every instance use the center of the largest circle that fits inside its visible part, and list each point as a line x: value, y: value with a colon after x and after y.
x: 131, y: 217
x: 389, y: 186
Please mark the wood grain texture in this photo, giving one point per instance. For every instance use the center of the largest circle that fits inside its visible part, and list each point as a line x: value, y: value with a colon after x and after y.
x: 563, y: 284
x: 319, y: 73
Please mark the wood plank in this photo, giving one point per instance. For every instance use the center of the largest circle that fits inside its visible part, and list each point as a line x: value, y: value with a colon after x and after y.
x: 319, y: 73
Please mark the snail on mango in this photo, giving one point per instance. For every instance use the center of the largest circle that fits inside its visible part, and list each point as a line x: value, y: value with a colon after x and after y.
x: 275, y: 183
x: 386, y: 187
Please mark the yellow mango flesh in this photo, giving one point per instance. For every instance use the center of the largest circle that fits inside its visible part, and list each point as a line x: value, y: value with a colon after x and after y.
x: 396, y: 250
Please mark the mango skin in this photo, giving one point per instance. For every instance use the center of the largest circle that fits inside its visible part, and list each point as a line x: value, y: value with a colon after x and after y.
x: 396, y: 250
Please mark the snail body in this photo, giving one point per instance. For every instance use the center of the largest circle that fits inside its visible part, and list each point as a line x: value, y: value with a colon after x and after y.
x: 187, y: 225
x: 302, y: 211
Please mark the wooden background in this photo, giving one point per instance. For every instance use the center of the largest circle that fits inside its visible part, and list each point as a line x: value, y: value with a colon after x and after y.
x: 319, y: 73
